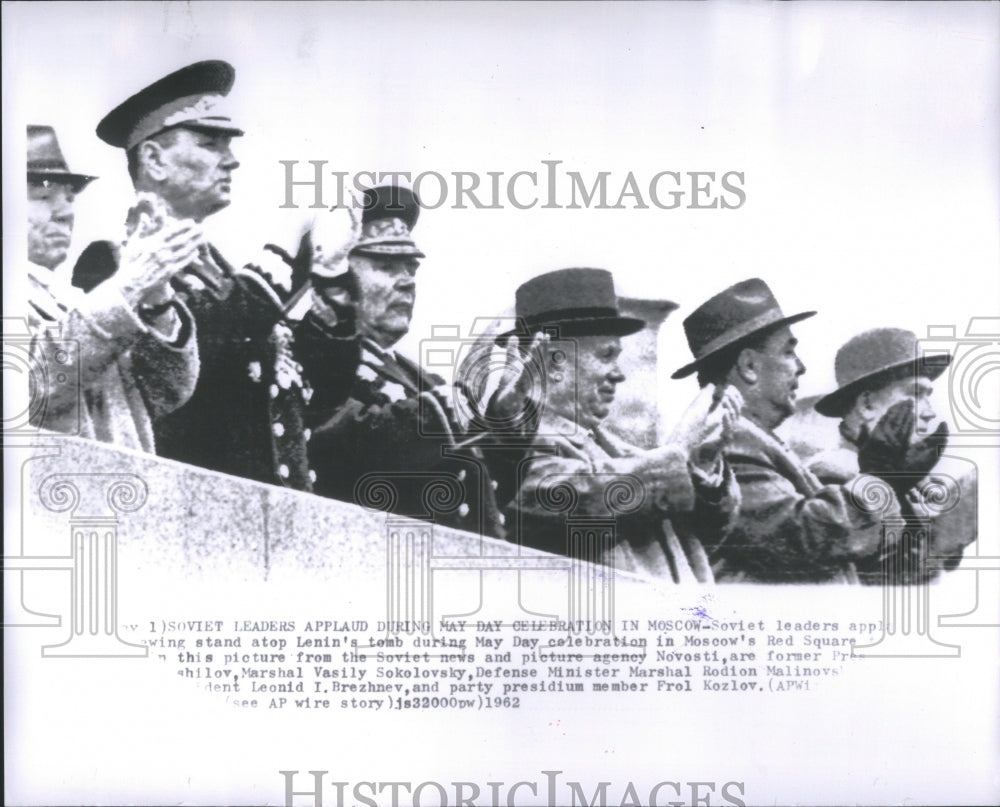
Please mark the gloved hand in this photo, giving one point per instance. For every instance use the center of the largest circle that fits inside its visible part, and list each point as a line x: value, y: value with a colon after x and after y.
x: 281, y: 280
x: 289, y: 272
x: 891, y: 453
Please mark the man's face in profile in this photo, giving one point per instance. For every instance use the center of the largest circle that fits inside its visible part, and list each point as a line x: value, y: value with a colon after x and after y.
x: 198, y: 165
x: 50, y: 221
x: 778, y: 369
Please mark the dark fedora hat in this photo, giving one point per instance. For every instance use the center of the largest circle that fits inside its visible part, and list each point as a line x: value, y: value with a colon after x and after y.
x: 729, y: 318
x: 578, y: 302
x: 191, y: 97
x: 46, y: 162
x: 390, y: 213
x: 878, y: 355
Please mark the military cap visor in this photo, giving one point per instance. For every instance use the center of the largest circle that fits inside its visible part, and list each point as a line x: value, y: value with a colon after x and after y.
x: 389, y: 216
x: 192, y: 97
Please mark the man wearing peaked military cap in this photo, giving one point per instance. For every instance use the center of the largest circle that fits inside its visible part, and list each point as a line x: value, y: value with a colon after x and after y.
x: 133, y: 366
x: 678, y: 494
x: 378, y: 416
x: 245, y: 416
x: 192, y: 97
x: 791, y: 528
x: 883, y: 398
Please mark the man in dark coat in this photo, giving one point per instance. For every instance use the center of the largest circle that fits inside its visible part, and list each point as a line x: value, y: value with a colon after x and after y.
x: 388, y: 434
x: 791, y: 528
x: 883, y: 398
x: 246, y: 414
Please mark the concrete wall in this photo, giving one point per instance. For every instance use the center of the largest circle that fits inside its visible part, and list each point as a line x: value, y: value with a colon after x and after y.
x: 204, y: 523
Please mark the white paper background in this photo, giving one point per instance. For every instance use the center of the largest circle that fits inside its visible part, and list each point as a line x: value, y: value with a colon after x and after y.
x: 868, y: 136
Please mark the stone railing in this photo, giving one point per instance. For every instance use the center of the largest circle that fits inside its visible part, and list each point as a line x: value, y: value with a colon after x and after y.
x: 89, y: 508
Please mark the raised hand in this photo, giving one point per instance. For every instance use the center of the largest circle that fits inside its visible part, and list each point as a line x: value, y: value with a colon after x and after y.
x: 890, y: 451
x: 706, y: 427
x: 152, y: 255
x: 276, y: 265
x: 923, y: 454
x: 519, y: 384
x: 332, y: 241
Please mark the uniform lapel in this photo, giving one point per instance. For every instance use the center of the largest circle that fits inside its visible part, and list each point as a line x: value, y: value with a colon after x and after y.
x: 385, y: 365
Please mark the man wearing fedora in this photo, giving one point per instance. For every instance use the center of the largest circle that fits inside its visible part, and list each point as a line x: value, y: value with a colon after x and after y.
x: 652, y: 507
x: 246, y: 414
x: 132, y: 345
x: 791, y: 528
x: 883, y: 399
x: 380, y: 419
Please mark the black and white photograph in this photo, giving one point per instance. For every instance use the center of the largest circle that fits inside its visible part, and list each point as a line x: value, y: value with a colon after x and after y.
x: 501, y: 403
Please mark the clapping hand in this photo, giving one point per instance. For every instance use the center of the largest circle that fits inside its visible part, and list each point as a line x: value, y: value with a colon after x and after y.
x: 519, y: 383
x: 706, y: 427
x: 152, y: 255
x: 891, y: 453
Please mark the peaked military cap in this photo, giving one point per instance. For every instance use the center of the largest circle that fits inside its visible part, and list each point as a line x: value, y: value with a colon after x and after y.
x: 191, y: 97
x: 390, y: 213
x: 46, y: 161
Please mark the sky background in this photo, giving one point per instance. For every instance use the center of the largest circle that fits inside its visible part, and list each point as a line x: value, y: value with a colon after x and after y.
x: 868, y: 137
x: 866, y: 133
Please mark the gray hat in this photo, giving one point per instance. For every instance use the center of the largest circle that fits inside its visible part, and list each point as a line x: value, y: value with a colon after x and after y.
x: 880, y: 353
x: 730, y: 318
x: 576, y: 301
x: 46, y: 161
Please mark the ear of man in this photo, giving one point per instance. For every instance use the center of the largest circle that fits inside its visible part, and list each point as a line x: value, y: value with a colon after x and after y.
x: 150, y: 158
x: 746, y: 367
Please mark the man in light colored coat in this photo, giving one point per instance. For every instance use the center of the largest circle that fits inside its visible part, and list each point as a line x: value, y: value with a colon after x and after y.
x: 111, y: 361
x: 583, y: 491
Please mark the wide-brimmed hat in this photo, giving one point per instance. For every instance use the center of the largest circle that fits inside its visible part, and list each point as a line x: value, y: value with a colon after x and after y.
x: 389, y: 215
x: 881, y: 353
x: 192, y: 97
x: 573, y: 302
x: 730, y: 318
x: 46, y: 162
